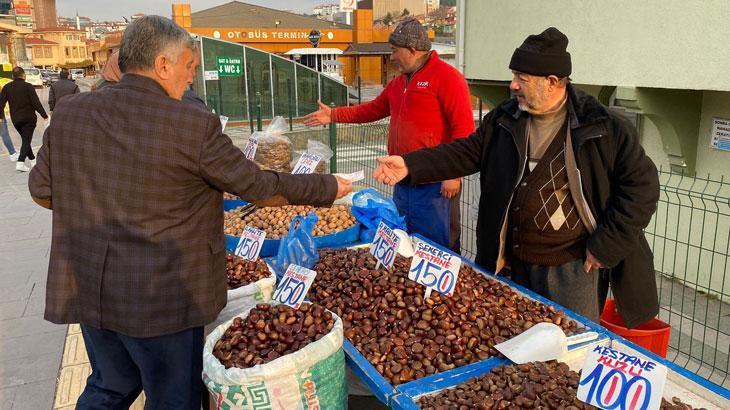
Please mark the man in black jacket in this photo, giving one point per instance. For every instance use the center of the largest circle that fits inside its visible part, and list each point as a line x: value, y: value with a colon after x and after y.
x: 24, y: 103
x: 566, y: 188
x: 61, y: 88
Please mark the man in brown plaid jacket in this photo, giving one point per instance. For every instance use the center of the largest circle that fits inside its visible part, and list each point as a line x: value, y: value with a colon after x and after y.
x: 135, y: 178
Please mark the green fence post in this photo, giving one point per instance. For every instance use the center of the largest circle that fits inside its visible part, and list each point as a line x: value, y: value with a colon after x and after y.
x: 291, y: 104
x: 333, y: 144
x: 258, y: 111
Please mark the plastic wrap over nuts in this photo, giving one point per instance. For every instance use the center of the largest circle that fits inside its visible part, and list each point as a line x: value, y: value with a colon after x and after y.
x: 274, y: 150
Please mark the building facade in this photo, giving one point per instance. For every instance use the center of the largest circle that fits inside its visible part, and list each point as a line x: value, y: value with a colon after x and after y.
x: 622, y: 51
x: 44, y: 13
x: 58, y: 47
x: 381, y: 8
x: 279, y: 32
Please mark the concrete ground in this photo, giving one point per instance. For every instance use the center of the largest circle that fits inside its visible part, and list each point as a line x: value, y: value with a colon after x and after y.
x: 30, y: 347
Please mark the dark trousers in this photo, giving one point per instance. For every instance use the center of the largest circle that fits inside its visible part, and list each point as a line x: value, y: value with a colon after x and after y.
x: 168, y: 368
x: 429, y: 214
x: 25, y: 129
x: 567, y: 285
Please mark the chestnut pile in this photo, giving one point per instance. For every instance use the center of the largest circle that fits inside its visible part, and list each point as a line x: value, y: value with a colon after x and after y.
x: 549, y: 385
x: 676, y: 404
x: 242, y: 272
x: 407, y: 337
x: 270, y: 332
x: 275, y: 221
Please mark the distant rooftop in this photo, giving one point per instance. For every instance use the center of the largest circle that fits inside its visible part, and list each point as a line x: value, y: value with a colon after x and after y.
x: 238, y: 14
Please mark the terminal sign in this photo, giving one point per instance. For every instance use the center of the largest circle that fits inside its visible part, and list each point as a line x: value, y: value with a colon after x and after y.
x: 230, y: 66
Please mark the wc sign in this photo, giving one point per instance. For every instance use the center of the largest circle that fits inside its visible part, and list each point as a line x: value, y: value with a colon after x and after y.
x: 229, y: 66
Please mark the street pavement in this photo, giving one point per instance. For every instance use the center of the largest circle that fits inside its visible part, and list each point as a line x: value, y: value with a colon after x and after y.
x: 30, y: 347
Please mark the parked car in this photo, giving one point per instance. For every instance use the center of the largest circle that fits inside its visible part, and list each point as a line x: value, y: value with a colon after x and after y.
x: 33, y: 77
x: 76, y: 73
x: 53, y: 76
x: 46, y: 76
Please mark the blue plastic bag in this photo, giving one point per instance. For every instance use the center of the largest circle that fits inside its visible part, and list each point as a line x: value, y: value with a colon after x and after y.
x: 370, y: 207
x: 297, y: 246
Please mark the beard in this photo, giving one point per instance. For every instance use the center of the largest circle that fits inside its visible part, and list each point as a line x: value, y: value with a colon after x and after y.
x: 530, y: 104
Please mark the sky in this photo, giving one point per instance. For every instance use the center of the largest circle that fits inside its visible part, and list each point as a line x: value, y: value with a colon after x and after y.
x: 114, y: 10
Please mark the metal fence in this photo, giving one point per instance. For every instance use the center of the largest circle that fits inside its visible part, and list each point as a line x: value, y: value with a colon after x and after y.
x: 689, y: 234
x: 690, y: 237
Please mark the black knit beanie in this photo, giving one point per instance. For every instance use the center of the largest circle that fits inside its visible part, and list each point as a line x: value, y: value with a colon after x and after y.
x: 543, y: 54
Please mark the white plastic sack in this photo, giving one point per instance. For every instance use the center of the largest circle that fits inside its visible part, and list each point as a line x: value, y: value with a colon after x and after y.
x: 311, y: 378
x: 317, y: 148
x: 242, y: 299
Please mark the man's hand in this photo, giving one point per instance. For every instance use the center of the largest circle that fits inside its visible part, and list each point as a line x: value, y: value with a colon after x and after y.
x: 392, y: 170
x: 322, y: 116
x: 344, y: 187
x: 591, y: 262
x: 450, y: 188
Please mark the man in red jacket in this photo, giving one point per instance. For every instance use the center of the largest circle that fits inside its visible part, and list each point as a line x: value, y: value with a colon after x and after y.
x: 428, y: 105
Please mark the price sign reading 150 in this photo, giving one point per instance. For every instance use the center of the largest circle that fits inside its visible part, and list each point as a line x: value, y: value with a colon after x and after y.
x: 385, y: 245
x: 294, y: 285
x: 434, y: 268
x: 250, y: 244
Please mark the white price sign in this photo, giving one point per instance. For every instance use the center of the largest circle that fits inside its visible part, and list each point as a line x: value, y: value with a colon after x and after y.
x: 307, y: 163
x: 210, y: 75
x: 385, y: 245
x: 250, y: 243
x: 613, y: 379
x: 434, y: 268
x: 251, y: 147
x: 294, y: 286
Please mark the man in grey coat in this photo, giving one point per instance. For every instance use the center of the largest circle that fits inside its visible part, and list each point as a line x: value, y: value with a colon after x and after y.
x: 137, y: 251
x: 61, y: 88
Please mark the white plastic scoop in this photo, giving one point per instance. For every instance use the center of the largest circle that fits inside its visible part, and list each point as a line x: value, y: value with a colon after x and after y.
x: 540, y: 343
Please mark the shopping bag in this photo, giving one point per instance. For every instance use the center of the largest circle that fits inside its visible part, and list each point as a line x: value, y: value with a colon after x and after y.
x: 297, y: 246
x: 370, y: 207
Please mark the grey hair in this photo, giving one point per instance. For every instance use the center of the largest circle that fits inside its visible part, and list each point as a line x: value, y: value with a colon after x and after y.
x: 148, y: 37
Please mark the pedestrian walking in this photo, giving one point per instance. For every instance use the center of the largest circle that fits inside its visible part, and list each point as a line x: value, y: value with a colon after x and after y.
x: 138, y: 252
x: 5, y: 133
x: 24, y: 104
x: 61, y: 88
x: 567, y: 188
x: 428, y: 105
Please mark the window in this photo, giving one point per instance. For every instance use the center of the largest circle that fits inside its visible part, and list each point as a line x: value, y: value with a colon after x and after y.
x: 48, y: 51
x: 76, y: 37
x: 41, y: 36
x: 76, y: 52
x: 83, y: 51
x: 37, y: 52
x: 68, y: 51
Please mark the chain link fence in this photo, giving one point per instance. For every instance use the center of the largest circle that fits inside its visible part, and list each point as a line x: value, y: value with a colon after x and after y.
x: 689, y: 234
